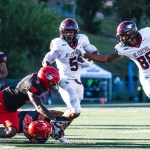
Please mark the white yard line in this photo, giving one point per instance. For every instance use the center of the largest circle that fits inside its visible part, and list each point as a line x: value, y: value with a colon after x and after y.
x: 6, y: 146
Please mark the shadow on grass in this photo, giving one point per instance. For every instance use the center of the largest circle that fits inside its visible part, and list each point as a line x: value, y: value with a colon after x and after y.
x: 110, y: 127
x: 113, y: 125
x: 91, y: 145
x: 115, y: 143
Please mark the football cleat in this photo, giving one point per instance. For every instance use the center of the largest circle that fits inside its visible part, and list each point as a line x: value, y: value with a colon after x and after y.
x: 63, y: 140
x: 57, y: 130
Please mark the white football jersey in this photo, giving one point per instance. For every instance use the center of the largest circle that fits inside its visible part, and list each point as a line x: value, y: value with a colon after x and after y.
x: 66, y: 57
x: 141, y: 54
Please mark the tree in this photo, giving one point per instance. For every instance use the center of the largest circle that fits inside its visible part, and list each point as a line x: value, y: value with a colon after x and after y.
x: 147, y: 8
x: 130, y: 10
x: 87, y: 11
x: 26, y: 29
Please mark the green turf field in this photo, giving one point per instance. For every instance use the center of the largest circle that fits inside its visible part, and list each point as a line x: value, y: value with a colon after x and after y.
x: 121, y: 128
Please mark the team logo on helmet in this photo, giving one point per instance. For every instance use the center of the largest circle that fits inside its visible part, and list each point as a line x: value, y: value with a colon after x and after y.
x: 49, y: 76
x: 129, y: 26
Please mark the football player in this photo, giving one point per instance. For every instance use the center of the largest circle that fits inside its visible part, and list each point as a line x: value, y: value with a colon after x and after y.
x: 66, y: 51
x: 3, y: 68
x: 135, y: 45
x: 41, y: 127
x: 29, y: 89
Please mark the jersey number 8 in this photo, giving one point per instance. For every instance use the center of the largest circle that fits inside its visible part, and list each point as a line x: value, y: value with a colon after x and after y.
x: 144, y: 60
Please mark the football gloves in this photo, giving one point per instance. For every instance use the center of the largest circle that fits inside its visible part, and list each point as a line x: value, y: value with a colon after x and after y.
x: 57, y: 130
x: 83, y: 63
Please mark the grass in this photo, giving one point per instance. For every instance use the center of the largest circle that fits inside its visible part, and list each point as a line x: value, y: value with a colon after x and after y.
x: 98, y: 128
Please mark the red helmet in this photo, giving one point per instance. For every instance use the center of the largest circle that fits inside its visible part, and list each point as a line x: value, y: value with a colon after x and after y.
x: 127, y: 29
x: 66, y: 25
x: 40, y: 129
x: 48, y: 76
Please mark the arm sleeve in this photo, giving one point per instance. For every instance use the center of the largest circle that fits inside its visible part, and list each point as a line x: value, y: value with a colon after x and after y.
x: 90, y: 48
x: 34, y: 88
x: 87, y: 46
x: 52, y: 55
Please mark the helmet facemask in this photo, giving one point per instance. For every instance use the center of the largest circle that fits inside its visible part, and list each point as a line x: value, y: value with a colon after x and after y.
x: 128, y: 37
x: 54, y: 88
x: 68, y: 25
x: 69, y: 38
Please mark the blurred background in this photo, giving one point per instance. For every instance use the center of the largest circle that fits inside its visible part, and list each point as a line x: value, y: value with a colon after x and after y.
x: 28, y: 26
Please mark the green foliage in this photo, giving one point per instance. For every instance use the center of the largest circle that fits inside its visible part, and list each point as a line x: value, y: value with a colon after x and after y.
x: 130, y: 10
x: 87, y: 11
x: 108, y: 11
x: 147, y: 8
x: 26, y: 28
x: 17, y: 64
x: 67, y: 7
x: 109, y: 27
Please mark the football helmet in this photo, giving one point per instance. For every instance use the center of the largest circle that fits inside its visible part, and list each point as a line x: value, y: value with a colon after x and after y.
x: 49, y: 77
x: 40, y: 130
x: 33, y: 140
x: 127, y: 29
x: 68, y: 24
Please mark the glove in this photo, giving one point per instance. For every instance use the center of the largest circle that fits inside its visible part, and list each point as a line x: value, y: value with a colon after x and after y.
x: 57, y: 131
x: 85, y: 63
x: 63, y: 119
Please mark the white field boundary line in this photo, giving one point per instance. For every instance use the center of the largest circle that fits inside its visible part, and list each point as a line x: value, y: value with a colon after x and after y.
x: 88, y: 108
x: 6, y: 146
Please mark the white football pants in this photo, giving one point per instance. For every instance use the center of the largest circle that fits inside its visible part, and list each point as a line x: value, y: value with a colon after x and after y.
x: 72, y: 94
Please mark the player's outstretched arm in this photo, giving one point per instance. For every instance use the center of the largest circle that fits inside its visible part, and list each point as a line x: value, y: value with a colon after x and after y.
x: 102, y: 58
x: 36, y: 101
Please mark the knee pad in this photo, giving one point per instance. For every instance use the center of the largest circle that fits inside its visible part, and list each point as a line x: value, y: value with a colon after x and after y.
x: 11, y: 131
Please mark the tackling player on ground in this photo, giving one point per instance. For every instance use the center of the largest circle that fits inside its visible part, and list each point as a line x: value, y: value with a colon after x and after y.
x: 29, y: 89
x: 41, y: 127
x: 134, y: 45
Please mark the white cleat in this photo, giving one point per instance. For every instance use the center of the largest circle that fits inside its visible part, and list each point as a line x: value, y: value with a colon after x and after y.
x: 63, y: 140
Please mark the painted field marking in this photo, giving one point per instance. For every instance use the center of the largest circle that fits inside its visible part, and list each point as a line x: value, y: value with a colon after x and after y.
x: 6, y: 146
